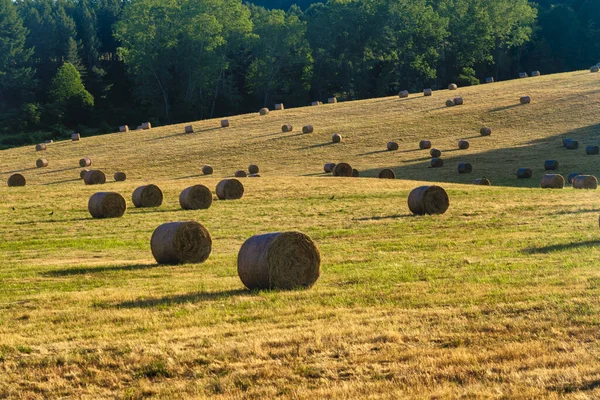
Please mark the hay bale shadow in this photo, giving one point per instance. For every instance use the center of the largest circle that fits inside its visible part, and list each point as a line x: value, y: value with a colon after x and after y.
x: 185, y: 298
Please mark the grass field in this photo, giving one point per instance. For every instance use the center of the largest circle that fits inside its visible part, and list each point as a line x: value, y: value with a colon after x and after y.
x: 496, y: 298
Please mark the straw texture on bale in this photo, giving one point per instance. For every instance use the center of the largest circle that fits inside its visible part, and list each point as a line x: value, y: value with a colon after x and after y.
x: 263, y: 111
x: 197, y: 197
x: 592, y: 150
x: 253, y: 169
x: 180, y: 243
x: 525, y: 100
x: 94, y: 177
x: 387, y: 174
x: 147, y: 196
x: 452, y: 86
x: 107, y: 205
x: 189, y: 129
x: 482, y: 181
x: 332, y: 100
x: 535, y: 73
x: 572, y: 176
x: 465, y: 168
x: 308, y: 129
x: 342, y: 169
x: 146, y: 126
x: 287, y: 128
x: 336, y: 138
x: 279, y: 260
x: 316, y: 103
x: 83, y: 172
x: 40, y: 147
x: 571, y: 144
x: 489, y: 80
x: 230, y: 189
x: 392, y: 146
x: 85, y: 162
x: 552, y: 181
x: 551, y: 165
x: 120, y: 176
x: 279, y: 106
x: 522, y: 74
x: 424, y: 144
x: 124, y: 128
x: 207, y: 170
x: 75, y: 137
x: 595, y: 68
x: 485, y: 131
x: 585, y: 182
x: 463, y: 144
x: 355, y: 173
x: 240, y: 174
x: 41, y: 163
x: 449, y: 103
x: 435, y: 153
x: 524, y: 173
x: 437, y: 163
x: 225, y: 123
x: 458, y: 101
x: 427, y: 92
x: 428, y: 200
x: 16, y: 180
x: 329, y: 167
x: 403, y: 94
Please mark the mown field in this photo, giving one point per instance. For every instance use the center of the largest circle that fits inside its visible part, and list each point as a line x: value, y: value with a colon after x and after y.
x: 496, y: 298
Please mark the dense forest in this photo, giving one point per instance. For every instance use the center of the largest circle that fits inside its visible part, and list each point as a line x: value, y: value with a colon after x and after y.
x: 92, y: 65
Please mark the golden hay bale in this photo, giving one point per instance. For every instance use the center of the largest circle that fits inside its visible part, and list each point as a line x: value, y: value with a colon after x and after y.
x: 489, y: 80
x: 279, y: 260
x: 147, y: 196
x: 207, y: 170
x: 387, y: 174
x: 189, y: 129
x: 435, y: 153
x: 463, y: 144
x: 75, y: 137
x: 403, y: 94
x: 329, y: 167
x: 225, y: 123
x: 308, y: 129
x: 146, y: 126
x: 107, y: 205
x: 41, y: 163
x: 550, y: 165
x: 120, y: 176
x: 94, y: 177
x: 181, y: 243
x: 449, y: 103
x: 336, y: 138
x: 458, y: 101
x: 253, y: 169
x: 572, y: 176
x: 40, y: 147
x: 523, y: 75
x: 240, y: 174
x: 342, y: 169
x: 16, y: 180
x: 437, y: 163
x: 595, y: 68
x: 263, y: 111
x: 428, y: 200
x: 485, y: 131
x: 139, y: 128
x: 316, y: 103
x: 427, y: 92
x: 465, y: 168
x: 424, y: 144
x: 592, y: 150
x: 49, y: 141
x: 279, y: 106
x: 392, y: 146
x: 482, y: 181
x: 230, y: 189
x: 552, y: 181
x: 452, y: 86
x: 332, y: 100
x: 253, y: 175
x: 525, y: 100
x: 585, y: 182
x: 535, y: 73
x: 85, y: 162
x: 124, y: 128
x: 524, y: 173
x: 355, y: 173
x: 287, y: 128
x: 197, y: 197
x: 83, y: 172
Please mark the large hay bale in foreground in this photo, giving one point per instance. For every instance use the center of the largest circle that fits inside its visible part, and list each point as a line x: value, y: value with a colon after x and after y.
x: 427, y: 92
x: 465, y: 168
x: 485, y: 131
x: 342, y: 169
x: 403, y: 94
x: 428, y: 200
x: 437, y: 163
x: 124, y: 128
x: 263, y: 111
x: 551, y: 165
x: 355, y: 173
x: 189, y: 129
x: 535, y: 73
x: 181, y: 243
x: 387, y: 174
x: 572, y: 176
x: 435, y: 153
x: 329, y: 167
x: 207, y: 170
x: 83, y: 172
x: 392, y: 146
x: 463, y: 144
x: 452, y: 86
x: 107, y: 205
x: 592, y: 150
x: 482, y: 182
x: 41, y: 163
x: 525, y: 100
x: 595, y: 68
x: 230, y: 189
x: 287, y: 128
x: 120, y: 176
x: 308, y: 129
x: 524, y: 173
x: 16, y: 180
x: 40, y: 147
x: 424, y: 144
x: 253, y: 169
x: 571, y: 144
x: 146, y: 126
x: 94, y: 177
x: 240, y: 174
x: 458, y: 101
x: 197, y: 197
x: 75, y: 137
x: 85, y: 162
x: 585, y: 182
x: 225, y: 123
x: 147, y: 196
x: 279, y: 260
x: 449, y: 103
x: 279, y: 106
x: 552, y: 181
x: 336, y: 138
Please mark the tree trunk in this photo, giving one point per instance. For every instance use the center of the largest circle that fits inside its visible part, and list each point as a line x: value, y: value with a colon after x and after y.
x: 164, y: 93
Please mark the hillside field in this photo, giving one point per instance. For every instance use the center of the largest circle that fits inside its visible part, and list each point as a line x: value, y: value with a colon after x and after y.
x: 497, y: 298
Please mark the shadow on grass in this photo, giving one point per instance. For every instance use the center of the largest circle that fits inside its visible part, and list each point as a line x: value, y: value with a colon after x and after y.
x: 59, y: 170
x: 53, y: 221
x: 98, y: 270
x: 290, y: 136
x: 505, y: 107
x: 268, y: 135
x: 183, y: 134
x: 190, y: 177
x: 183, y: 298
x: 19, y: 170
x: 562, y: 247
x: 314, y: 146
x: 374, y: 152
x: 586, y: 211
x: 378, y: 218
x: 65, y: 181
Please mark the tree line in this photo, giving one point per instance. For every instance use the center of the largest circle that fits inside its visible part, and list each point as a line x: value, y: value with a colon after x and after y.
x: 92, y: 65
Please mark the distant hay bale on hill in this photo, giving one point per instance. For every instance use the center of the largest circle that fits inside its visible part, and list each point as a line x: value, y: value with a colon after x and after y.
x: 482, y: 182
x: 458, y: 101
x: 551, y: 165
x: 279, y: 106
x: 83, y: 172
x: 49, y: 141
x: 523, y: 75
x: 525, y: 100
x: 355, y: 173
x: 94, y: 177
x: 342, y: 169
x: 485, y: 131
x: 124, y: 128
x: 428, y: 200
x: 387, y: 174
x: 329, y: 167
x: 449, y: 103
x: 41, y: 163
x: 207, y: 170
x: 287, y: 128
x: 585, y: 182
x: 403, y: 94
x: 75, y: 137
x: 263, y: 111
x: 572, y: 176
x: 139, y: 128
x: 463, y: 144
x: 197, y: 197
x: 146, y: 126
x: 392, y: 146
x: 524, y: 173
x: 253, y: 169
x: 435, y: 153
x: 332, y: 100
x: 240, y: 174
x: 40, y: 147
x: 489, y: 80
x: 465, y: 168
x: 452, y: 86
x: 147, y: 196
x: 85, y: 162
x: 16, y: 180
x: 552, y: 181
x: 424, y: 144
x: 230, y: 189
x: 316, y: 103
x: 308, y: 129
x: 189, y: 129
x: 336, y: 138
x: 595, y: 68
x: 535, y: 73
x: 437, y: 163
x: 225, y: 123
x: 120, y: 176
x: 181, y: 243
x: 592, y: 150
x: 107, y: 205
x: 427, y: 92
x: 571, y: 144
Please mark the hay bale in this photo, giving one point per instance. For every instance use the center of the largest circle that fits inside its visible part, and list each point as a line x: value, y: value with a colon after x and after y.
x: 308, y: 129
x: 287, y: 128
x: 428, y: 200
x: 435, y: 153
x: 279, y: 260
x: 189, y: 129
x: 452, y: 86
x: 592, y: 150
x: 535, y: 73
x: 146, y: 126
x: 197, y: 197
x: 75, y: 137
x: 49, y: 141
x: 181, y: 243
x: 585, y: 182
x: 571, y: 144
x: 403, y: 94
x: 392, y: 146
x: 437, y: 163
x: 355, y: 173
x: 41, y: 163
x: 230, y: 189
x: 107, y: 205
x: 572, y: 176
x: 465, y: 168
x: 524, y: 173
x: 525, y: 100
x: 263, y: 111
x: 387, y: 174
x: 316, y: 103
x: 94, y: 177
x: 552, y: 181
x: 523, y: 75
x: 427, y: 92
x: 147, y: 196
x: 253, y: 169
x: 342, y: 169
x: 16, y: 180
x: 85, y: 162
x: 83, y: 172
x: 225, y: 123
x: 463, y: 144
x: 253, y: 175
x: 124, y: 128
x: 449, y: 103
x: 485, y: 131
x: 329, y: 167
x: 489, y: 80
x: 279, y: 106
x: 40, y: 147
x: 207, y: 170
x: 240, y: 174
x: 595, y: 68
x: 139, y: 128
x: 336, y: 138
x: 482, y: 181
x: 332, y: 100
x: 424, y: 144
x: 458, y: 101
x: 550, y: 165
x: 120, y: 176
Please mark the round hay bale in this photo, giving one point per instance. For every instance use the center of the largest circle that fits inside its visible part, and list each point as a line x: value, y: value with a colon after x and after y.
x: 392, y: 146
x: 565, y: 141
x: 146, y: 125
x: 279, y: 260
x: 424, y: 144
x: 189, y: 129
x: 489, y: 80
x: 41, y: 163
x: 287, y: 128
x: 230, y: 189
x: 49, y: 141
x: 329, y: 167
x: 572, y: 176
x: 120, y: 176
x: 279, y: 106
x: 316, y: 103
x: 355, y: 173
x: 387, y: 174
x: 585, y: 182
x: 572, y: 144
x: 535, y: 73
x: 207, y: 170
x: 107, y: 205
x: 458, y: 101
x: 75, y: 137
x: 403, y: 94
x: 552, y: 181
x: 465, y: 168
x: 452, y: 86
x: 463, y: 144
x: 85, y: 162
x: 40, y: 147
x: 336, y: 138
x: 592, y: 150
x: 437, y: 163
x: 482, y: 181
x: 485, y: 131
x: 253, y: 169
x: 147, y: 196
x: 342, y: 169
x: 435, y: 153
x: 197, y: 197
x: 524, y: 173
x: 94, y: 177
x: 428, y: 200
x: 551, y: 165
x: 449, y: 103
x: 595, y: 68
x: 308, y: 129
x: 427, y: 92
x: 523, y: 75
x: 16, y: 180
x: 332, y: 100
x: 181, y: 243
x: 123, y: 128
x: 253, y: 175
x: 263, y: 111
x: 240, y: 174
x: 225, y: 123
x: 139, y: 128
x: 525, y: 100
x: 83, y: 172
